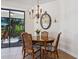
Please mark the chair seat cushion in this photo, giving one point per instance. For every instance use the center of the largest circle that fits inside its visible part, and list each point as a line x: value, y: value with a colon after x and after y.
x: 36, y: 50
x: 36, y: 46
x: 29, y: 51
x: 48, y: 48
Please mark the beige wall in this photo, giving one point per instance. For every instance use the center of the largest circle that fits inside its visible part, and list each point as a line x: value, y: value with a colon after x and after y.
x: 65, y: 12
x: 69, y: 21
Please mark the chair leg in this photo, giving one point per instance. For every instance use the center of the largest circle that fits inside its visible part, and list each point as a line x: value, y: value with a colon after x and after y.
x: 24, y: 55
x: 33, y: 56
x: 57, y: 54
x: 41, y: 53
x: 44, y: 54
x: 22, y: 50
x: 54, y: 55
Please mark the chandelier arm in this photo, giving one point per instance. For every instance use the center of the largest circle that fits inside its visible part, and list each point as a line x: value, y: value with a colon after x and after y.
x: 38, y: 11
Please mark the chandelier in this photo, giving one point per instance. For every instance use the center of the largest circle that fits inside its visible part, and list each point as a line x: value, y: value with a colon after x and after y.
x: 36, y: 13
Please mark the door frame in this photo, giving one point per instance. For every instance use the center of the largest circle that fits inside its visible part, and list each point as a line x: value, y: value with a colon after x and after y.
x: 10, y: 17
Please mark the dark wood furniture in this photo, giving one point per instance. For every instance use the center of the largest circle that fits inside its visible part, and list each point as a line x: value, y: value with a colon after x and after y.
x: 42, y: 43
x: 27, y: 46
x: 50, y: 40
x: 44, y: 35
x: 23, y: 33
x: 54, y: 49
x: 5, y: 35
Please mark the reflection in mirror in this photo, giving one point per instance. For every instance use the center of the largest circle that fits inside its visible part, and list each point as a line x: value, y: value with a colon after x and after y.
x: 45, y: 20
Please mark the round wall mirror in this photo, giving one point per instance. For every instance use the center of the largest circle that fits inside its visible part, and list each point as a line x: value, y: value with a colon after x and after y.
x: 45, y: 21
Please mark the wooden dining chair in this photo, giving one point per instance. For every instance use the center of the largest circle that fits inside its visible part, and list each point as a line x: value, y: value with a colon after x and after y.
x: 5, y: 35
x: 54, y: 49
x: 22, y: 34
x: 44, y: 35
x: 28, y: 48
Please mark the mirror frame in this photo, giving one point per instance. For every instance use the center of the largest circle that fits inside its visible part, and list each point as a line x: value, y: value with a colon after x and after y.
x: 41, y: 23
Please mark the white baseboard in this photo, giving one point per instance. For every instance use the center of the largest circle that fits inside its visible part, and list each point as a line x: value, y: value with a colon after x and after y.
x: 72, y: 54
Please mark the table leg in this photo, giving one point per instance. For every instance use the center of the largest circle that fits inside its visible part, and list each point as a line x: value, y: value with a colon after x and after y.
x: 40, y: 52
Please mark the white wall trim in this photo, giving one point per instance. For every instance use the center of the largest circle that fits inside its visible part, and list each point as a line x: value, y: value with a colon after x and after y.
x: 72, y: 54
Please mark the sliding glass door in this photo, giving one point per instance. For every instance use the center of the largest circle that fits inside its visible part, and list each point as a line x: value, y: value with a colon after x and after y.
x: 16, y: 27
x: 5, y: 22
x: 12, y: 25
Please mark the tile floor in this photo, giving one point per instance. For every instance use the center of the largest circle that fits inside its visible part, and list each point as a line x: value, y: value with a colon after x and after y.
x: 11, y: 53
x: 16, y: 53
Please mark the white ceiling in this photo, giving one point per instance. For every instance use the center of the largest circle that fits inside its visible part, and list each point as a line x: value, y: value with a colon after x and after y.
x: 23, y: 4
x: 26, y: 1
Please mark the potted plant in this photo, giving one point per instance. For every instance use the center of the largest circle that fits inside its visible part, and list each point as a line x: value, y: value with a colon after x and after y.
x: 37, y: 31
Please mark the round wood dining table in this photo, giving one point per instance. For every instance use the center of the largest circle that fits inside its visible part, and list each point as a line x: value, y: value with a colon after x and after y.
x: 38, y: 39
x: 41, y: 42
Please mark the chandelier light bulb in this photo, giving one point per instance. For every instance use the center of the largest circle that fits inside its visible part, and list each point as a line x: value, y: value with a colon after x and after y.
x: 36, y: 11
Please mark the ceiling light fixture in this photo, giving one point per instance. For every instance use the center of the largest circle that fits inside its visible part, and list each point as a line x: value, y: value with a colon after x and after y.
x: 36, y: 13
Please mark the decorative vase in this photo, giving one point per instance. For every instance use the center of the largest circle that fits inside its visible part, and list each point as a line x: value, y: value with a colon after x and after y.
x: 38, y: 34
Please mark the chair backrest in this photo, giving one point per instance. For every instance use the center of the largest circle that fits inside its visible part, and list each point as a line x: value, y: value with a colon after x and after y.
x: 5, y: 35
x: 57, y: 41
x: 22, y: 38
x: 22, y: 35
x: 27, y: 41
x: 44, y: 35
